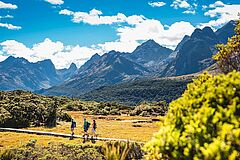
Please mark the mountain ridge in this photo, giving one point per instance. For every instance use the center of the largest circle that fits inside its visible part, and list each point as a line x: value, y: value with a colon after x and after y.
x: 19, y: 73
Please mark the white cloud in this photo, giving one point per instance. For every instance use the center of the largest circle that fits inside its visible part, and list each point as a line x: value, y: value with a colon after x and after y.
x: 66, y: 12
x: 2, y: 57
x: 95, y: 17
x: 190, y: 12
x: 153, y: 29
x: 12, y: 47
x: 7, y: 5
x: 55, y: 2
x: 7, y: 16
x: 180, y: 4
x: 157, y: 4
x: 191, y: 9
x: 216, y: 4
x: 204, y: 7
x: 222, y: 13
x: 10, y: 26
x: 61, y: 55
x: 137, y: 29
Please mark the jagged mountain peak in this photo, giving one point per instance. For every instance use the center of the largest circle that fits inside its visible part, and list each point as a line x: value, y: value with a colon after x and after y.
x: 226, y: 31
x: 15, y: 59
x: 185, y: 38
x: 201, y: 33
x: 208, y: 30
x: 47, y: 62
x: 150, y: 42
x: 96, y: 55
x: 72, y: 66
x: 12, y: 61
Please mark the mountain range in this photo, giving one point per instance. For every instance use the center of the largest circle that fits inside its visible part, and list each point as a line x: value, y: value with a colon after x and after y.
x: 194, y: 53
x: 19, y: 73
x: 149, y: 60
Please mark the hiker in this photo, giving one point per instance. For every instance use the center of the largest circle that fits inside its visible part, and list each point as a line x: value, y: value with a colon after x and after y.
x: 86, y: 126
x: 73, y: 126
x: 94, y: 127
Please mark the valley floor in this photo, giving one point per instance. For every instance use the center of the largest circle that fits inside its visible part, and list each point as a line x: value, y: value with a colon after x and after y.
x: 134, y: 128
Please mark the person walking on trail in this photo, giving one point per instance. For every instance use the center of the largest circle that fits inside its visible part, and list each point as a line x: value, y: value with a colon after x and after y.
x: 86, y: 126
x: 94, y: 127
x: 73, y: 126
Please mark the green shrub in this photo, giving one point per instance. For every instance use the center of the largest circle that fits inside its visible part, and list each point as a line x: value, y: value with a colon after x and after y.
x: 63, y: 116
x: 203, y: 123
x: 153, y: 109
x: 20, y: 109
x: 4, y: 116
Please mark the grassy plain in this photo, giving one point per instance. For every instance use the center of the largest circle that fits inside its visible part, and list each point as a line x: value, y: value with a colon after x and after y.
x: 107, y: 126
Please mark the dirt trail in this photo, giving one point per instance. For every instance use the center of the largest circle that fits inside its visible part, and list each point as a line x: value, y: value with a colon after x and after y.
x: 61, y: 135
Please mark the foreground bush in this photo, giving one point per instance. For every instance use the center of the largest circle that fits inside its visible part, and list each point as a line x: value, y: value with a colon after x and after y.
x: 203, y: 123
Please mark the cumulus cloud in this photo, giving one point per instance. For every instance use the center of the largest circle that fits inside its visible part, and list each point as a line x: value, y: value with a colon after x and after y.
x: 153, y: 29
x: 180, y: 4
x: 222, y: 13
x: 137, y: 28
x: 216, y: 4
x: 61, y: 55
x: 191, y: 8
x: 55, y: 2
x: 189, y: 12
x: 7, y: 5
x: 204, y: 7
x: 157, y: 4
x: 10, y: 26
x: 7, y: 25
x: 95, y: 17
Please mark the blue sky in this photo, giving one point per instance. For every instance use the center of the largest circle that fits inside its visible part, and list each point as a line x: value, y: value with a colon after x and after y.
x: 76, y: 29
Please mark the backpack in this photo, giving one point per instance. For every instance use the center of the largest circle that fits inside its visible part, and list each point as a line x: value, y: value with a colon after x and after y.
x: 88, y: 125
x: 94, y: 126
x: 74, y: 124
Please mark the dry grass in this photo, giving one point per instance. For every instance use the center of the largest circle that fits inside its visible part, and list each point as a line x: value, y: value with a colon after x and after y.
x: 10, y: 139
x: 110, y: 127
x: 107, y: 126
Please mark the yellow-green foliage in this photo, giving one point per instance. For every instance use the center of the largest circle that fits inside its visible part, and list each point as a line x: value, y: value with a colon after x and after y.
x: 228, y: 56
x: 115, y: 151
x: 122, y: 151
x: 203, y: 123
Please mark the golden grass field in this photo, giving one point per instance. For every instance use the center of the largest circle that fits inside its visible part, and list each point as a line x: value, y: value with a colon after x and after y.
x: 107, y: 126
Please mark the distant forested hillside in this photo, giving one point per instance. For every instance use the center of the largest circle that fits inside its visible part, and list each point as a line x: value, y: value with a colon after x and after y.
x: 133, y: 93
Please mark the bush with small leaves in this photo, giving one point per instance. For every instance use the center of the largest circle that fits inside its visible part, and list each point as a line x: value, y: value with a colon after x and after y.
x: 154, y: 109
x: 202, y: 124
